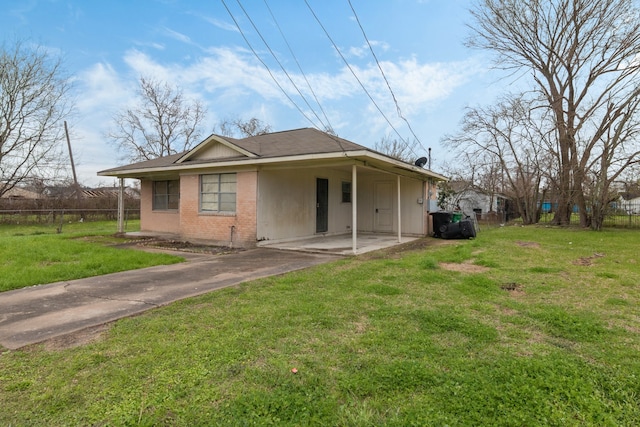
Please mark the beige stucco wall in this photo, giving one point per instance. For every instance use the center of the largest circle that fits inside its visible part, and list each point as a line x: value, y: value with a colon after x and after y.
x: 287, y: 203
x: 413, y: 219
x: 412, y: 211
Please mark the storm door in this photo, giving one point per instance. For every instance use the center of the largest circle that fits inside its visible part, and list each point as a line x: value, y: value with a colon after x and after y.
x: 322, y: 205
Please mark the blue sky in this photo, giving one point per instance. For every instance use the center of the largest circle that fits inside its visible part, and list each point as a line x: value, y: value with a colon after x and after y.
x: 108, y: 45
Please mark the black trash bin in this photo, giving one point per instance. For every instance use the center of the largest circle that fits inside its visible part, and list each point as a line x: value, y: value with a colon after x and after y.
x: 459, y: 230
x: 452, y: 231
x: 441, y: 220
x: 468, y: 230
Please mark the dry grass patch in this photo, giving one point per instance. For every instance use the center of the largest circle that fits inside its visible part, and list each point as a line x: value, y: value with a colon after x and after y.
x: 465, y: 267
x: 78, y: 338
x: 527, y: 244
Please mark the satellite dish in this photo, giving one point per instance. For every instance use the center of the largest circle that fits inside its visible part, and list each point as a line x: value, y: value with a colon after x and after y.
x: 421, y: 162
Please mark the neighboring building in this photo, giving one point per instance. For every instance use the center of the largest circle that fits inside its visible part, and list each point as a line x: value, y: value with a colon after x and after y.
x: 629, y: 202
x: 109, y: 192
x: 19, y: 193
x: 471, y: 198
x: 280, y: 186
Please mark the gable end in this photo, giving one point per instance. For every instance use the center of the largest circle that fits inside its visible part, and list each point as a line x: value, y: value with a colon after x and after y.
x: 216, y: 151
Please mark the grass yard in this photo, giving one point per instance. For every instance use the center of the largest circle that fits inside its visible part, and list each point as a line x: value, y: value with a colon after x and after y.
x: 523, y: 326
x: 37, y: 254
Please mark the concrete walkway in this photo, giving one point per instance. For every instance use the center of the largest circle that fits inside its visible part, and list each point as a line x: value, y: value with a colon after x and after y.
x: 38, y: 313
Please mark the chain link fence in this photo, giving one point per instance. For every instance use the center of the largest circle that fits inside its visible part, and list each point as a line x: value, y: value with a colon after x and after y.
x: 627, y: 216
x: 50, y: 210
x: 56, y: 216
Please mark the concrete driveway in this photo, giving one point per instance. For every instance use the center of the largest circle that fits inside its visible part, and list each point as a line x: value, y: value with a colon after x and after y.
x: 38, y: 313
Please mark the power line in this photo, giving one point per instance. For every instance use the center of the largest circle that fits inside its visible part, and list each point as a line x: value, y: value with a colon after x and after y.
x: 265, y: 65
x: 279, y: 63
x: 329, y: 127
x: 299, y: 66
x: 354, y: 74
x: 385, y: 77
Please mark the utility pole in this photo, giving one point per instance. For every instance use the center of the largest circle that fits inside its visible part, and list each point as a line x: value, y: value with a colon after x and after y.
x: 73, y: 169
x: 73, y: 165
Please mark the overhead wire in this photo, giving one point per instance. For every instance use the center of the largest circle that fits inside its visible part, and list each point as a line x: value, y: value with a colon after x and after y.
x: 375, y: 57
x: 265, y: 64
x: 280, y: 63
x: 299, y: 67
x: 353, y: 72
x: 327, y: 126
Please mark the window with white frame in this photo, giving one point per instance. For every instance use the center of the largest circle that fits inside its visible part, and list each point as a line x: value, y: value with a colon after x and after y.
x: 218, y: 192
x: 166, y: 195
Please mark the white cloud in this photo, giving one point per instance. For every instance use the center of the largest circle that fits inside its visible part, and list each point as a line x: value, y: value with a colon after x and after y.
x: 232, y: 83
x: 142, y: 64
x: 365, y: 51
x: 230, y: 73
x: 358, y: 52
x: 420, y: 85
x: 153, y: 45
x: 383, y: 46
x: 221, y: 24
x: 101, y: 92
x: 178, y: 36
x: 100, y: 86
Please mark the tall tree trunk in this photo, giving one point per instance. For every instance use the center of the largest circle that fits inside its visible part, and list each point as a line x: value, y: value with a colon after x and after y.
x: 566, y: 148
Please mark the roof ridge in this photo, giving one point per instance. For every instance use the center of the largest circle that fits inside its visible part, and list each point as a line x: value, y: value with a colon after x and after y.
x: 277, y: 132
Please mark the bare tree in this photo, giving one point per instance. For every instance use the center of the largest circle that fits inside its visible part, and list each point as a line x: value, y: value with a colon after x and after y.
x: 509, y: 137
x: 396, y: 148
x: 582, y: 56
x: 33, y: 105
x: 243, y: 128
x: 446, y: 196
x: 163, y: 123
x: 487, y: 175
x: 471, y: 172
x: 619, y: 150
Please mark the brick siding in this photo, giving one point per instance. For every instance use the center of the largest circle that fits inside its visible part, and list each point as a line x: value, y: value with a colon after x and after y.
x: 192, y: 225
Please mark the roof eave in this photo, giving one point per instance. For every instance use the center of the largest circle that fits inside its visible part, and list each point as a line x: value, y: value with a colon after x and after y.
x: 365, y: 156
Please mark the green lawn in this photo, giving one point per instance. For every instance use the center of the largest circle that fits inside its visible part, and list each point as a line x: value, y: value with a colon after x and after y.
x: 37, y: 254
x: 538, y: 326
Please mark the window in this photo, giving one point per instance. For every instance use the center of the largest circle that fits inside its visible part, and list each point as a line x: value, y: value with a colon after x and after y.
x: 166, y: 195
x: 218, y: 192
x: 346, y: 192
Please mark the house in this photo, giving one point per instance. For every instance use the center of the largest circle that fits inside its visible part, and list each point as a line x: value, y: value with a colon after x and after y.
x: 279, y: 187
x: 471, y: 198
x: 629, y: 202
x: 21, y: 193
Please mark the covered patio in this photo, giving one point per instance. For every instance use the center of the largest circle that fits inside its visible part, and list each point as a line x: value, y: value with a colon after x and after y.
x: 342, y: 244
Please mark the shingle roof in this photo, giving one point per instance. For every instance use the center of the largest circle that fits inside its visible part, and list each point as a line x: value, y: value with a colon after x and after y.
x: 153, y: 163
x: 296, y: 142
x: 278, y: 144
x: 291, y: 145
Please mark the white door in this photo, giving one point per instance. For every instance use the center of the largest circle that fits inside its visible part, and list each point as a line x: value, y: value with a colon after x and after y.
x: 383, y: 206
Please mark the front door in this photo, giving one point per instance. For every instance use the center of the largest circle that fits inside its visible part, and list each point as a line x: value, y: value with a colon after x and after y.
x: 322, y: 205
x: 383, y: 204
